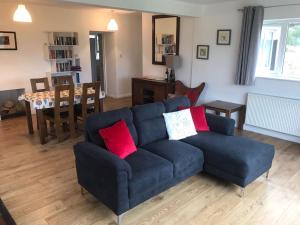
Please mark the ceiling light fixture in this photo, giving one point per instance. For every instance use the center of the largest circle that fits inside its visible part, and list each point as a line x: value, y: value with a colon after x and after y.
x: 112, y: 24
x: 22, y: 15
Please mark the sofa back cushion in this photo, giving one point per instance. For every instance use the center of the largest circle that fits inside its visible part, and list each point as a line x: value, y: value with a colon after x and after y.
x: 107, y: 119
x: 173, y: 103
x: 149, y: 122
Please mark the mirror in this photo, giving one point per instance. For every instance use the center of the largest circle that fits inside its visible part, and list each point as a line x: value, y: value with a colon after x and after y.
x: 165, y: 37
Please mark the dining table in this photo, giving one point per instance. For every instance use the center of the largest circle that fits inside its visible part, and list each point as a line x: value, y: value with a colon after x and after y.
x: 41, y: 101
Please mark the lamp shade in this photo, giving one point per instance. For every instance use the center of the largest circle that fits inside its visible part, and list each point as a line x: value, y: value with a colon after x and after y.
x: 22, y: 14
x: 112, y: 25
x: 172, y: 61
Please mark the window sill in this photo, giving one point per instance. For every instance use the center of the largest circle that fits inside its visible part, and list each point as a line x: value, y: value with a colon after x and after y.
x: 278, y: 78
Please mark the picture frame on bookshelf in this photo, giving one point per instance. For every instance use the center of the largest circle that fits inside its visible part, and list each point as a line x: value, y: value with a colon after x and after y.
x: 8, y: 40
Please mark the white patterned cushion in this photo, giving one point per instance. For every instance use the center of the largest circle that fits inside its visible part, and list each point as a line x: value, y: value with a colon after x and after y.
x: 179, y: 124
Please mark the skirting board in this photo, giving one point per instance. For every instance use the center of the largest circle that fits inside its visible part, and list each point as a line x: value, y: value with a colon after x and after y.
x: 272, y: 133
x: 119, y: 96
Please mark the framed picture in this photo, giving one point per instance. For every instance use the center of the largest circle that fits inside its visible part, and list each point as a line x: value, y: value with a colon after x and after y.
x: 224, y: 37
x: 8, y: 40
x: 202, y: 52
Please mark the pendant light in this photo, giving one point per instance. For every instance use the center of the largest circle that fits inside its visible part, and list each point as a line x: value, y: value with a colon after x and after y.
x: 112, y: 25
x: 22, y: 14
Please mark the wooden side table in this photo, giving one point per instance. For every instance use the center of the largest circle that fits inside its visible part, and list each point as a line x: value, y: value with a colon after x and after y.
x: 228, y: 108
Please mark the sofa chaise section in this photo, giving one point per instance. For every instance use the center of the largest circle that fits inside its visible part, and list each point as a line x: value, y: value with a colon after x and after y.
x: 239, y: 160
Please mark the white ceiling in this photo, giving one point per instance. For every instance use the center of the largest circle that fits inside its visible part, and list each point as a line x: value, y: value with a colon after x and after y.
x: 203, y: 2
x: 67, y: 4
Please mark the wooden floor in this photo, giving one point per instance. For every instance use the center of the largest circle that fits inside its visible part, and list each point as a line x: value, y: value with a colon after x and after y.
x: 38, y: 185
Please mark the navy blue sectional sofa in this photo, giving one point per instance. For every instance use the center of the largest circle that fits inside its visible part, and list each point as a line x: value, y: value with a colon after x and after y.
x: 160, y: 163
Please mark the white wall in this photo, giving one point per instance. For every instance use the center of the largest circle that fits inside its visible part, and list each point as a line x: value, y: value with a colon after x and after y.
x: 185, y: 51
x: 17, y: 67
x: 110, y: 62
x: 128, y: 51
x: 219, y: 71
x: 28, y: 61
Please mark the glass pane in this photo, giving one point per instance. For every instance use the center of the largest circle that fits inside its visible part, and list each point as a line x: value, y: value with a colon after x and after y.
x: 268, y: 52
x: 291, y: 67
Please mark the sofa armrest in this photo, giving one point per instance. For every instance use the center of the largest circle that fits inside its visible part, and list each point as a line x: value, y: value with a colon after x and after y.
x: 104, y: 175
x: 220, y: 124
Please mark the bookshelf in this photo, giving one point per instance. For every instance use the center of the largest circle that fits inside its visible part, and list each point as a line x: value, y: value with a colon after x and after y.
x: 165, y: 45
x: 60, y: 51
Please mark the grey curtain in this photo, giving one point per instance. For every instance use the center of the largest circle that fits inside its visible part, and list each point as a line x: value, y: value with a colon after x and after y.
x: 249, y: 45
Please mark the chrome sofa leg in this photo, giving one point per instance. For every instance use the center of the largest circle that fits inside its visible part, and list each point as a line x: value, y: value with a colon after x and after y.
x: 242, y: 193
x: 267, y: 174
x: 120, y: 218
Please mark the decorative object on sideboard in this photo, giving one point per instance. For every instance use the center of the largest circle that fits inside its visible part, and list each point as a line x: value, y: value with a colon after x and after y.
x: 9, y: 105
x: 22, y: 15
x: 172, y: 63
x: 224, y: 37
x: 164, y: 42
x: 8, y: 40
x: 202, y: 52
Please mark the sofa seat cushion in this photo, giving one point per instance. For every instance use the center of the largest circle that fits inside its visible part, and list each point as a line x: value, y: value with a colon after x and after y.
x: 183, y: 156
x: 148, y: 171
x: 238, y: 156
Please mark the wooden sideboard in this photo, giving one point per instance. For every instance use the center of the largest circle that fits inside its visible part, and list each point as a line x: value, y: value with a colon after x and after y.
x: 147, y: 90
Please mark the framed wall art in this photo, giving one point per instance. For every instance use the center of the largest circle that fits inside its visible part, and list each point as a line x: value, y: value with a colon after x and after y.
x: 224, y: 37
x: 8, y: 40
x: 202, y: 52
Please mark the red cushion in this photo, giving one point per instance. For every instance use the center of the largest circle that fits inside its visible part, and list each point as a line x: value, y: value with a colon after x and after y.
x: 118, y: 139
x: 193, y: 95
x: 199, y: 118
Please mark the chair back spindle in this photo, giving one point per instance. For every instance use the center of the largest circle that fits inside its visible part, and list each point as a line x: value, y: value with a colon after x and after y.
x: 86, y: 95
x: 34, y: 84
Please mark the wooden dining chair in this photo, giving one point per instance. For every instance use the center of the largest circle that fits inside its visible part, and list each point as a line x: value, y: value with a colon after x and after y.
x: 63, y: 110
x: 34, y: 84
x: 87, y: 106
x: 61, y: 80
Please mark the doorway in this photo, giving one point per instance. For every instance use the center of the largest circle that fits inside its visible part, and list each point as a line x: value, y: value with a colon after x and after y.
x: 97, y: 58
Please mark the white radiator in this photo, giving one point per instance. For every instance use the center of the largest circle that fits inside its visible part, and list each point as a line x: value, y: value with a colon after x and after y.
x: 274, y: 113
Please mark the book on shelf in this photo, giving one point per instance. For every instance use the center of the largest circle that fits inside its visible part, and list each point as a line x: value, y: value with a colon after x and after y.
x: 60, y: 54
x: 61, y: 40
x: 63, y: 67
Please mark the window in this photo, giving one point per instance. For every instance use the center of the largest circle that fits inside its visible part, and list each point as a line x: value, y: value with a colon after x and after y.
x: 279, y: 52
